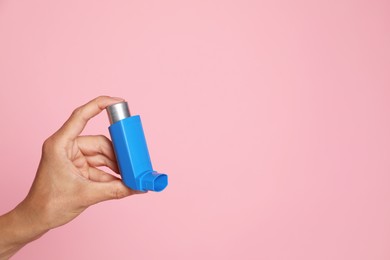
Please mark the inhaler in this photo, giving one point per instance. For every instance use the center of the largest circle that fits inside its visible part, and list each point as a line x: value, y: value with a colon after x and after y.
x: 131, y: 150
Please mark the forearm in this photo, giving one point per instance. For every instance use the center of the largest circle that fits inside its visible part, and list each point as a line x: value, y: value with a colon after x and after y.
x: 17, y: 228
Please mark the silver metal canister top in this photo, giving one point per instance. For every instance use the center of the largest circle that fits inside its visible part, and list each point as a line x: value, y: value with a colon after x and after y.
x: 117, y: 112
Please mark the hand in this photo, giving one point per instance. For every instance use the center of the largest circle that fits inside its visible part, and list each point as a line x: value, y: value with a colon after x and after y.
x: 68, y: 180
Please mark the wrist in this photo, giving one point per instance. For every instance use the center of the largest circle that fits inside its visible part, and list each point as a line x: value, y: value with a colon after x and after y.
x: 30, y: 220
x: 17, y: 228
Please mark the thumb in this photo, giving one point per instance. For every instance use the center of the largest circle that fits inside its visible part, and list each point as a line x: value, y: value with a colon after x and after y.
x: 101, y: 191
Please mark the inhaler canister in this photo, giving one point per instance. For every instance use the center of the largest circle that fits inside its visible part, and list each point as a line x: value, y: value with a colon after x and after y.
x: 131, y: 150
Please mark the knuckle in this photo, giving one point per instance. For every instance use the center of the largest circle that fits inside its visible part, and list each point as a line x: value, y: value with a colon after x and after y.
x: 98, y: 98
x: 48, y: 145
x: 102, y: 161
x: 99, y: 161
x: 77, y: 112
x: 118, y: 193
x: 104, y: 138
x: 104, y: 144
x: 51, y: 145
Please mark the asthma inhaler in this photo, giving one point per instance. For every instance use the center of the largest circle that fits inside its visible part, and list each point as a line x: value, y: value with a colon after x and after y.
x: 131, y: 150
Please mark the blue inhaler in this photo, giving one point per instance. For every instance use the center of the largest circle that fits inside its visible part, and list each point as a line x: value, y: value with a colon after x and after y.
x: 131, y: 150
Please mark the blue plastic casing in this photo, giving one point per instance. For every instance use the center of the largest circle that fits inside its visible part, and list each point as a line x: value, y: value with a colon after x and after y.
x: 133, y: 158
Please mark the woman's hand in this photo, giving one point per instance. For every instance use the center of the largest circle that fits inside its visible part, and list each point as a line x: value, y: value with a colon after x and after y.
x: 67, y: 181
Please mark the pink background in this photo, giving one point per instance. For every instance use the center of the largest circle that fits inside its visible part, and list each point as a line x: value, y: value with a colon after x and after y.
x: 270, y: 117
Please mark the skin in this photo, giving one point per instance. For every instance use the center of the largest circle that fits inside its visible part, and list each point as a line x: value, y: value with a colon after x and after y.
x: 67, y: 181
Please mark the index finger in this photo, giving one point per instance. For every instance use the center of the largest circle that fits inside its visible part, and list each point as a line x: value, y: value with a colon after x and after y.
x: 81, y: 115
